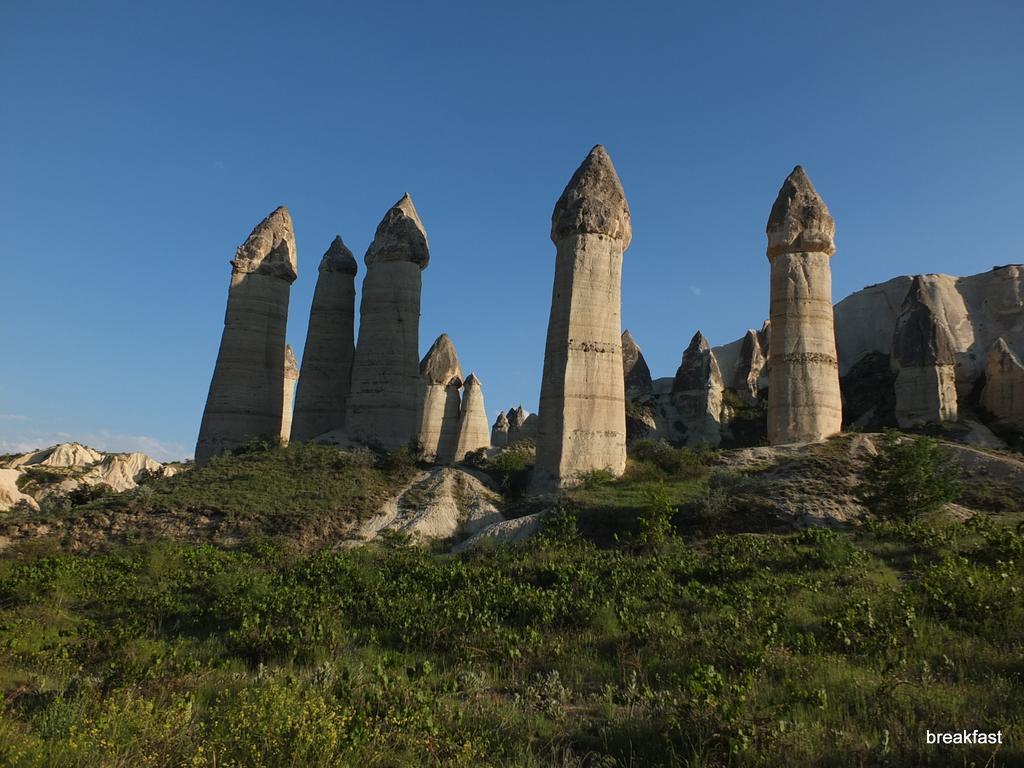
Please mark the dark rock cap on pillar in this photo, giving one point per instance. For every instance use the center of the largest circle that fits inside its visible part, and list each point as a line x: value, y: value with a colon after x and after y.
x: 593, y: 202
x: 800, y: 221
x: 400, y: 236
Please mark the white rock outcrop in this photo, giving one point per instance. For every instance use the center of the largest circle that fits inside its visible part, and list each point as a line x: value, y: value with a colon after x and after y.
x: 10, y: 495
x: 62, y: 455
x: 474, y: 430
x: 440, y: 401
x: 326, y: 374
x: 1003, y: 394
x: 246, y: 395
x: 582, y: 415
x: 804, y: 401
x: 383, y: 401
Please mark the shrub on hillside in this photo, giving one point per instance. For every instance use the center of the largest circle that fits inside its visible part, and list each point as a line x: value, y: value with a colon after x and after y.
x: 909, y: 477
x: 667, y: 460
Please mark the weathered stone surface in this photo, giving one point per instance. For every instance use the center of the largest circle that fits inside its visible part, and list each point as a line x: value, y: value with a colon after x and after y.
x: 1003, y: 394
x: 697, y: 395
x: 326, y: 375
x: 804, y: 401
x: 499, y: 431
x: 62, y: 455
x: 383, y: 402
x: 246, y: 395
x: 635, y: 373
x: 750, y: 362
x: 516, y: 423
x: 440, y: 380
x: 291, y: 376
x: 923, y: 357
x: 121, y: 471
x: 9, y: 493
x: 474, y: 430
x: 976, y: 310
x: 582, y: 419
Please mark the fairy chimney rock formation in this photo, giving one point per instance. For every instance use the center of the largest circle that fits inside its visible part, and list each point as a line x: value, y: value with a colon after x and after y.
x: 1003, y: 394
x: 474, y: 431
x: 516, y: 423
x: 635, y: 373
x: 924, y: 357
x: 804, y: 402
x: 246, y: 397
x: 291, y: 376
x: 327, y: 357
x: 697, y: 395
x: 382, y: 405
x: 440, y: 380
x: 499, y: 431
x: 582, y: 417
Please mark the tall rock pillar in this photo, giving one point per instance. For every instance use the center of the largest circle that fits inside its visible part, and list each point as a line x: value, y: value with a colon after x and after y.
x: 474, y: 431
x: 697, y: 395
x: 327, y: 357
x: 440, y: 401
x: 382, y: 404
x: 246, y: 396
x: 582, y: 418
x: 291, y: 375
x: 804, y: 402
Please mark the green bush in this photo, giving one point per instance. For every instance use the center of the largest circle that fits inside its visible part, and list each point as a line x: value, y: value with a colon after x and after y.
x: 681, y: 463
x: 910, y: 477
x: 511, y: 469
x: 654, y: 523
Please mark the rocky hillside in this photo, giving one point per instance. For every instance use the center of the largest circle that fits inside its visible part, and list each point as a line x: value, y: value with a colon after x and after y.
x: 61, y: 470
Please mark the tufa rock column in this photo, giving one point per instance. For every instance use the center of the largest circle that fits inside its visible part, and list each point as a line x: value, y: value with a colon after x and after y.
x: 327, y: 357
x: 291, y: 375
x: 246, y: 400
x: 582, y: 416
x: 924, y: 357
x: 803, y: 374
x: 441, y: 377
x: 474, y: 433
x: 382, y: 404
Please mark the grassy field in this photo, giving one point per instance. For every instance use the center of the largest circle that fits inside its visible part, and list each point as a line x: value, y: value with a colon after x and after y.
x: 610, y: 640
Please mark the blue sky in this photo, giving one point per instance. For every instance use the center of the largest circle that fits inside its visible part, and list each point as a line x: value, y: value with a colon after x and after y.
x: 141, y: 142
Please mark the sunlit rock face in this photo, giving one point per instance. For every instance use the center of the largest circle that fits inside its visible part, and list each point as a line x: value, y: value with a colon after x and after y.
x: 582, y: 421
x: 326, y: 375
x: 246, y: 397
x: 474, y: 431
x: 440, y: 401
x: 804, y: 402
x: 1003, y: 394
x: 382, y: 406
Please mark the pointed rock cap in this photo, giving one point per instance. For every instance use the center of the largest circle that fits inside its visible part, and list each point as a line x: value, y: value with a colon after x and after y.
x: 400, y: 236
x: 593, y: 202
x: 800, y: 221
x: 501, y: 423
x: 472, y: 381
x: 636, y: 374
x: 441, y: 363
x: 339, y: 258
x: 920, y: 338
x: 1000, y: 358
x: 699, y: 368
x: 270, y: 248
x: 291, y: 366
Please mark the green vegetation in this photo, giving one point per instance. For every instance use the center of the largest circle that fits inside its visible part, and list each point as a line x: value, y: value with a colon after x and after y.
x: 910, y: 476
x: 631, y: 632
